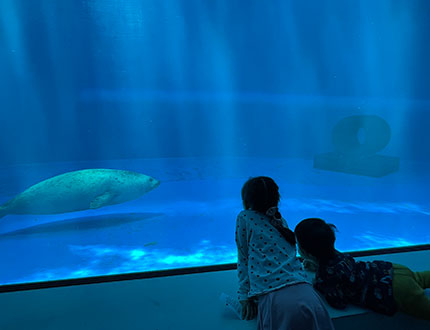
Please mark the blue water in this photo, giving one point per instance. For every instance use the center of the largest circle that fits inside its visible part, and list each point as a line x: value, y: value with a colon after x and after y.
x: 201, y: 95
x: 189, y: 220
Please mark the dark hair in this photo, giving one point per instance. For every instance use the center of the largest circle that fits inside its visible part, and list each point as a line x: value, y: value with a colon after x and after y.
x: 316, y: 237
x: 260, y: 194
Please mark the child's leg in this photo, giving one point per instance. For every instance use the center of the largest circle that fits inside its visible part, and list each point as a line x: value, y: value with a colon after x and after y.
x: 295, y: 307
x: 423, y: 279
x: 408, y: 289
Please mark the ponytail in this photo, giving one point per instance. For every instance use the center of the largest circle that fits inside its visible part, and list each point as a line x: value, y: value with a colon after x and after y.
x: 261, y: 194
x: 276, y: 221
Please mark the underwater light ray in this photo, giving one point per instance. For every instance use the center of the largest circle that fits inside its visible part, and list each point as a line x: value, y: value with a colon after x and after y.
x: 17, y: 36
x: 219, y: 62
x: 13, y: 35
x: 120, y: 37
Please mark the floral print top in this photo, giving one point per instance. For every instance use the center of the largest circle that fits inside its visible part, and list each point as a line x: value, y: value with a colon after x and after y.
x: 342, y: 280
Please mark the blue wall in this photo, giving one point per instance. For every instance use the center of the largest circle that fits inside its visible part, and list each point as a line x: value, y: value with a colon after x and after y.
x: 96, y: 79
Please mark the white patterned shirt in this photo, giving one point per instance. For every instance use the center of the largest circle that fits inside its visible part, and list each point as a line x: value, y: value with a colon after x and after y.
x: 266, y: 261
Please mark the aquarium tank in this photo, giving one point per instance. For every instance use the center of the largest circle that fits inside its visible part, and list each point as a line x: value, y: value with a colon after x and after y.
x: 128, y: 127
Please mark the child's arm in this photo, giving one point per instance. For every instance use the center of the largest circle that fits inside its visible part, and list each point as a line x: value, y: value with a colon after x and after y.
x: 310, y: 265
x: 334, y: 296
x: 331, y: 285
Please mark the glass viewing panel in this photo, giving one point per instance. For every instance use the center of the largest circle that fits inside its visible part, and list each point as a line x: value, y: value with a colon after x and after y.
x: 148, y: 116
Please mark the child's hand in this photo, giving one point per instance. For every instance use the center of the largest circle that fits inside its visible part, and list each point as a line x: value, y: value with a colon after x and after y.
x: 249, y: 309
x: 310, y: 265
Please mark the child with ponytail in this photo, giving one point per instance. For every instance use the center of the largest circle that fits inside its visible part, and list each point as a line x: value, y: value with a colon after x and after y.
x: 272, y: 282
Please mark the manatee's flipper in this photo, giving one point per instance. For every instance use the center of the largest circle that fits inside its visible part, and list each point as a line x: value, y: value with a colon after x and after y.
x: 101, y: 200
x: 3, y: 211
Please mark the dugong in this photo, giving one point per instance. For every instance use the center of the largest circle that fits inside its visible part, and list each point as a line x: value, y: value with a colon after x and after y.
x: 80, y: 190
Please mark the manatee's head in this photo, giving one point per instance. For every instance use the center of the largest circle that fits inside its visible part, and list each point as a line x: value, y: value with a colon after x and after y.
x: 148, y: 183
x: 135, y: 185
x: 153, y: 183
